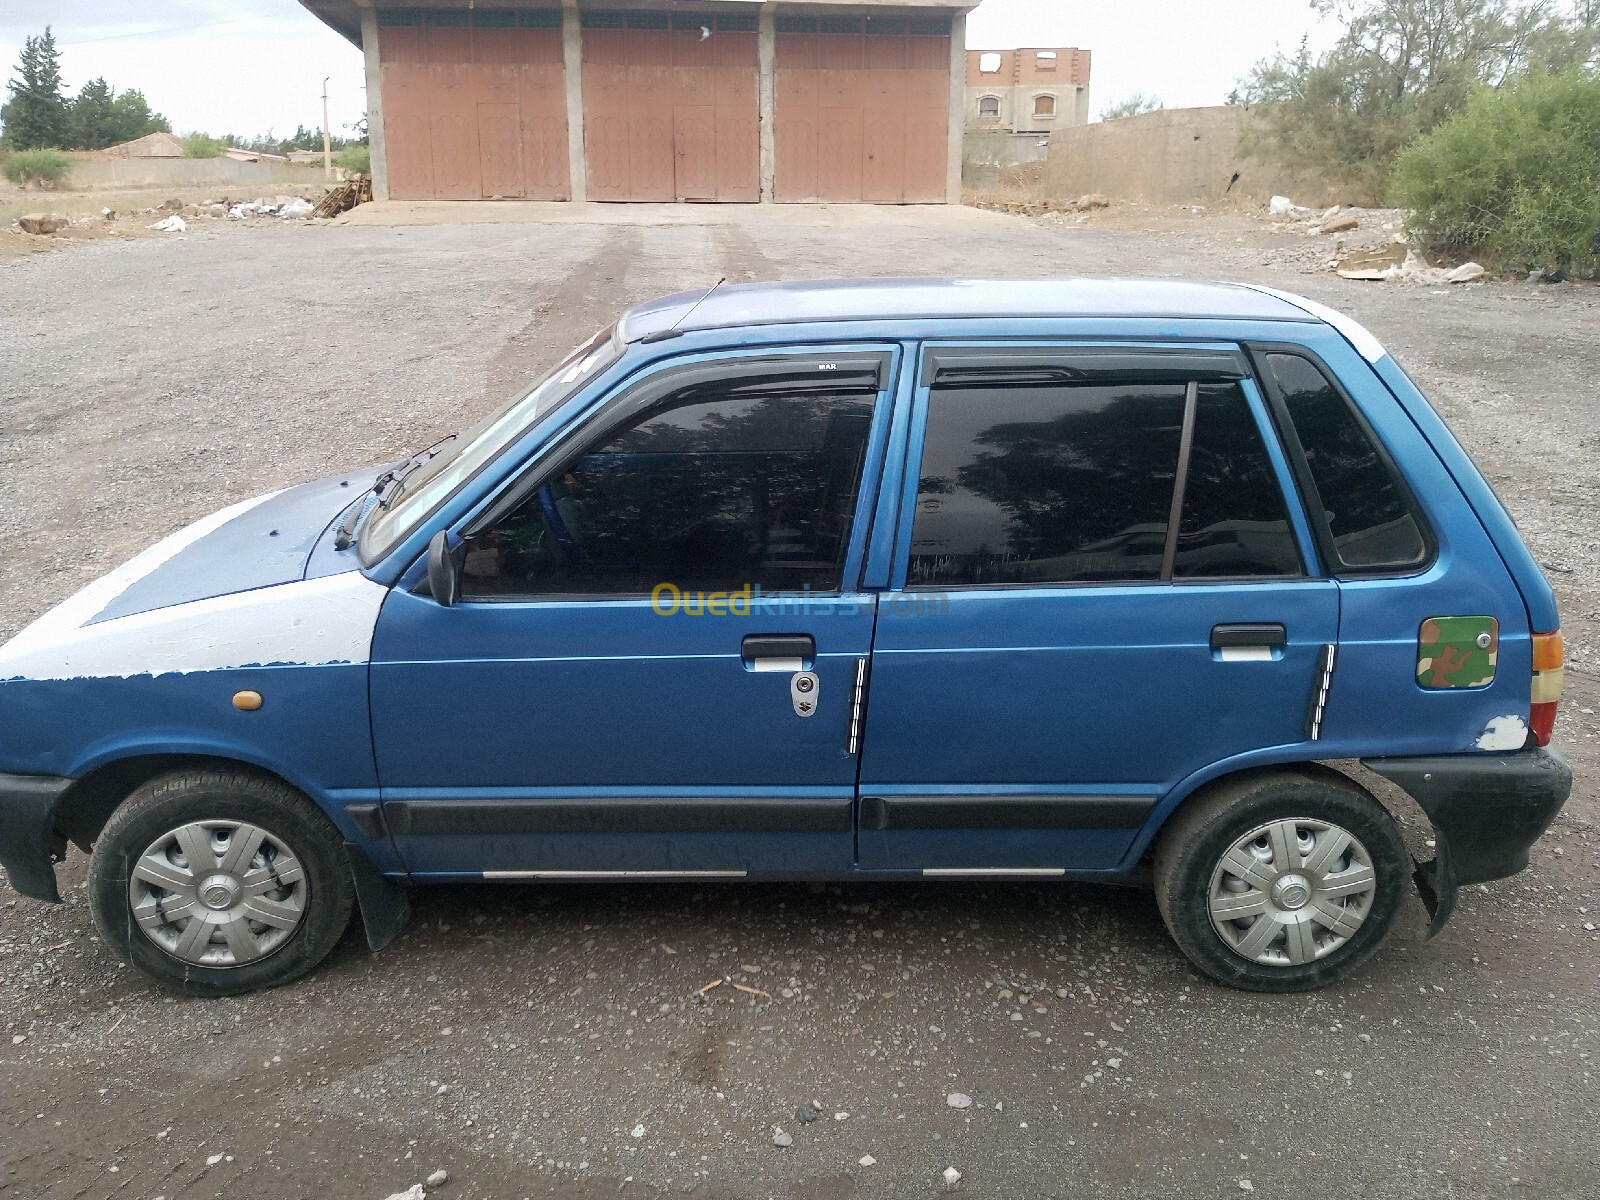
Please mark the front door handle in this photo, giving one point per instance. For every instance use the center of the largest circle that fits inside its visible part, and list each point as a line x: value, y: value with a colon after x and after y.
x: 778, y: 651
x: 1247, y: 643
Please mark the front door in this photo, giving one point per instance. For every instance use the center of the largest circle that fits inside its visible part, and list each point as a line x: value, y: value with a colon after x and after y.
x: 1101, y: 589
x: 652, y: 666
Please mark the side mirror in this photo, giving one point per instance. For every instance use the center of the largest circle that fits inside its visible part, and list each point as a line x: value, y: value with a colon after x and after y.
x: 444, y: 569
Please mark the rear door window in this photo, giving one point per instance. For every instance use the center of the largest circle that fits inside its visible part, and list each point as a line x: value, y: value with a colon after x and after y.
x: 1026, y: 480
x: 1371, y: 519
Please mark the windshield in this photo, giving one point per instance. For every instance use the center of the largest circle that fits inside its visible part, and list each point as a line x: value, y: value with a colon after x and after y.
x: 431, y: 483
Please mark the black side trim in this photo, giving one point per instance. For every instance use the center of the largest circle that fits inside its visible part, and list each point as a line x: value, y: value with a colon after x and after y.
x: 622, y: 814
x: 385, y: 905
x: 366, y: 817
x: 29, y: 844
x: 1487, y: 812
x: 1005, y: 812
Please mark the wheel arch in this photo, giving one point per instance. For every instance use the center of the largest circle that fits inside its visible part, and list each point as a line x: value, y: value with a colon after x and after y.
x: 1414, y: 823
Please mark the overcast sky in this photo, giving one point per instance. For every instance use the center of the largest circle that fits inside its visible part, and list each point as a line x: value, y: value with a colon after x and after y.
x: 245, y: 66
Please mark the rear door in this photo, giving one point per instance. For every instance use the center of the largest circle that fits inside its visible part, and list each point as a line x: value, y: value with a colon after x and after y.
x: 1099, y: 587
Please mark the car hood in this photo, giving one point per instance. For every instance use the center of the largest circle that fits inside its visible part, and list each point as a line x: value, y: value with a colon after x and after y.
x: 196, y: 599
x: 256, y: 544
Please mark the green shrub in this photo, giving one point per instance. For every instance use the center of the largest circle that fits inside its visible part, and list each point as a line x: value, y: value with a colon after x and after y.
x: 357, y: 159
x: 36, y: 168
x: 1515, y: 174
x: 200, y: 145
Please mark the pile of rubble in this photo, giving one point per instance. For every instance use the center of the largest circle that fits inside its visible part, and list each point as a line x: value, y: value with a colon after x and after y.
x: 175, y: 216
x: 1039, y: 208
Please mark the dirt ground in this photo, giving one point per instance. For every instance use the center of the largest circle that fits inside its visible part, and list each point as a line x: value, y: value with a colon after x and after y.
x: 548, y: 1042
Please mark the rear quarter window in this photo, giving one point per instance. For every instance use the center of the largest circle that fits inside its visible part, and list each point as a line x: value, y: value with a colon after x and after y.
x: 1371, y: 518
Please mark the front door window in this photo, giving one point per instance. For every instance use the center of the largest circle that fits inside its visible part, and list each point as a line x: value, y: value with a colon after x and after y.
x: 718, y: 488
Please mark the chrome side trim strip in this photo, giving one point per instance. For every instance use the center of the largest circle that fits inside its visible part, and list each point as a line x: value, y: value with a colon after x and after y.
x: 1319, y: 697
x: 998, y: 872
x: 614, y: 874
x: 857, y: 707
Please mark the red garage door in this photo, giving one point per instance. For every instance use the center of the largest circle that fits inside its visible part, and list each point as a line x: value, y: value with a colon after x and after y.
x: 671, y: 108
x: 474, y: 104
x: 863, y: 109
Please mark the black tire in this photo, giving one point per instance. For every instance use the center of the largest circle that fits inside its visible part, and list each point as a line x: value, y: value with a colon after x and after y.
x: 1192, y: 845
x: 286, y: 815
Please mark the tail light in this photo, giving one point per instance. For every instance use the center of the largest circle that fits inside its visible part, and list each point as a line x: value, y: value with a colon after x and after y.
x: 1549, y: 670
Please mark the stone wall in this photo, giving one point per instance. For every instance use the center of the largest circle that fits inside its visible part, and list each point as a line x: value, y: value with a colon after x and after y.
x: 1174, y: 156
x: 103, y: 171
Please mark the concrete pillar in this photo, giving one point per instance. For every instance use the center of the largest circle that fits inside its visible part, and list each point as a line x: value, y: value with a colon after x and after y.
x: 958, y: 106
x: 767, y: 73
x: 375, y: 142
x: 572, y: 54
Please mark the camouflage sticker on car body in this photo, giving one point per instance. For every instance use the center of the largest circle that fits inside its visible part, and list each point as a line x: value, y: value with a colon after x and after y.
x: 1457, y: 652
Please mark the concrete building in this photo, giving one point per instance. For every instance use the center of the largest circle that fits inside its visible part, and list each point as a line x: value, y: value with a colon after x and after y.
x: 1028, y: 91
x: 662, y: 100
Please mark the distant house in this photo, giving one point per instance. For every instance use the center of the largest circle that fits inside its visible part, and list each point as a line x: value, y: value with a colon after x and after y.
x: 151, y: 145
x: 1028, y: 91
x: 305, y: 156
x: 239, y: 154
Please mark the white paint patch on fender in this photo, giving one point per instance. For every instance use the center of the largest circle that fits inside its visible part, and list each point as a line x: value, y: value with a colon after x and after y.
x: 69, y: 616
x: 1504, y: 733
x: 309, y: 622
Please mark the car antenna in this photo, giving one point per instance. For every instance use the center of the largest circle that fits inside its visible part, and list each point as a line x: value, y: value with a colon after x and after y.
x: 662, y: 335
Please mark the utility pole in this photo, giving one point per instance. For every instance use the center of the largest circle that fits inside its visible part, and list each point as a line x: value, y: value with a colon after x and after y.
x: 327, y: 138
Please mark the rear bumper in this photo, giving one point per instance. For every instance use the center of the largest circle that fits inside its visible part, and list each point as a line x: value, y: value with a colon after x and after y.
x: 29, y: 844
x: 1487, y: 811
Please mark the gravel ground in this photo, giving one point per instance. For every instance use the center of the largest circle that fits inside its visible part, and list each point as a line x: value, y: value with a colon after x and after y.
x: 550, y: 1042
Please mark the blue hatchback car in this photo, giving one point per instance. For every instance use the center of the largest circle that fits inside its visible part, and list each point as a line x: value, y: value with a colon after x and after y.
x: 1121, y: 580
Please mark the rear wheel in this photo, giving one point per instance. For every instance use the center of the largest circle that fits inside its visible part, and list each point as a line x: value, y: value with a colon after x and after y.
x: 218, y: 882
x: 1281, y: 883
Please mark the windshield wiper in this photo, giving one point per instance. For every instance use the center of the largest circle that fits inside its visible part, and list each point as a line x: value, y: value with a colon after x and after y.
x: 386, y: 487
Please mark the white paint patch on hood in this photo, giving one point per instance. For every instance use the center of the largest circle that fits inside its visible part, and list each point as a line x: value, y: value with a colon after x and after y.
x: 305, y: 623
x: 1504, y: 733
x: 70, y: 615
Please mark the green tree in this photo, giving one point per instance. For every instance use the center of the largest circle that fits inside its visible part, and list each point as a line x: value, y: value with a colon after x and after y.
x: 199, y: 145
x: 1399, y: 68
x: 1515, y: 174
x: 89, y: 118
x: 1132, y: 106
x: 36, y: 114
x: 131, y: 118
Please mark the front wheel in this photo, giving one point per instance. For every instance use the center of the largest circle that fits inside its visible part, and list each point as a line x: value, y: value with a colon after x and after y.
x: 220, y: 882
x: 1281, y: 883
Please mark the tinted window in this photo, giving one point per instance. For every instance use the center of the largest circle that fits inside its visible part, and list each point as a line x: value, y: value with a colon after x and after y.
x: 711, y: 491
x: 1368, y: 509
x: 1046, y: 484
x: 1234, y: 519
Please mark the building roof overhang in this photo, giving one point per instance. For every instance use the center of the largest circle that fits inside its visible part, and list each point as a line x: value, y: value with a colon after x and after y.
x: 344, y: 16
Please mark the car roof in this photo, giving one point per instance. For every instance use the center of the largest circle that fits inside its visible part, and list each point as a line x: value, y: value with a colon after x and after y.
x: 843, y: 300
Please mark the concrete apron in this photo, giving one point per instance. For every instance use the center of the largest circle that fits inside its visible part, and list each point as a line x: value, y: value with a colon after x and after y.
x: 548, y: 212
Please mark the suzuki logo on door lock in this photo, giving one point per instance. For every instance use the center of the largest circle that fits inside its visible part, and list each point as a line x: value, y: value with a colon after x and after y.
x: 803, y: 693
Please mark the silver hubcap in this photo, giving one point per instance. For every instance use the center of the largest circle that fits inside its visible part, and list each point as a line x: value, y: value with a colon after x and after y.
x: 1291, y: 891
x: 218, y: 893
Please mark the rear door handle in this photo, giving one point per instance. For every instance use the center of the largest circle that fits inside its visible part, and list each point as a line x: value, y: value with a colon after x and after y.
x: 778, y: 651
x: 1247, y: 643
